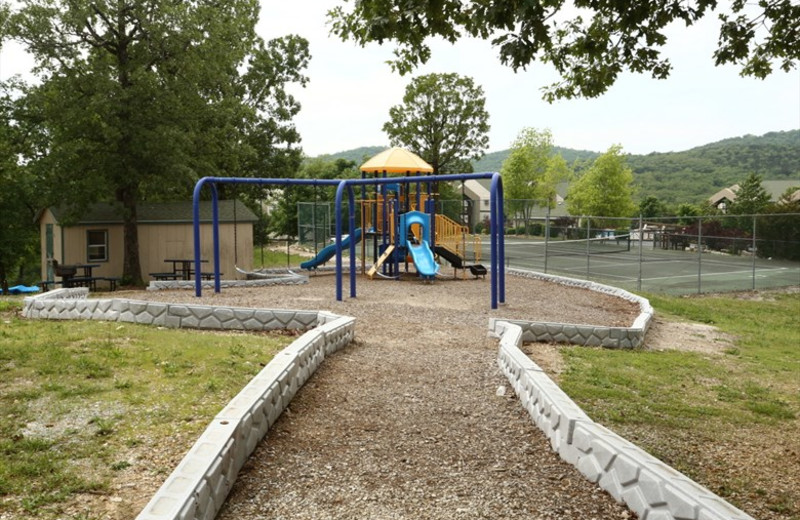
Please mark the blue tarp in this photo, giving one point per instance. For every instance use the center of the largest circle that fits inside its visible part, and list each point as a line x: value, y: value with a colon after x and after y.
x: 21, y: 289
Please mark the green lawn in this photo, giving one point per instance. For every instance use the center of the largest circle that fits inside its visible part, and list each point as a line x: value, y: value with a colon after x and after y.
x: 695, y: 410
x: 275, y: 259
x: 82, y: 401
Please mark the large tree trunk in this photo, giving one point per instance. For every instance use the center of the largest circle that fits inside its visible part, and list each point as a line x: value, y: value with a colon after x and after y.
x: 3, y: 279
x: 131, y: 267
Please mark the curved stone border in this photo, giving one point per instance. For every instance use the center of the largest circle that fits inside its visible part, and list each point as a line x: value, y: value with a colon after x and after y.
x: 287, y: 279
x: 650, y: 488
x: 197, y: 488
x: 578, y: 334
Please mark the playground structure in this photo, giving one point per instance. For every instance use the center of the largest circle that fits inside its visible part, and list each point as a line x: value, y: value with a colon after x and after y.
x: 402, y: 230
x: 399, y: 225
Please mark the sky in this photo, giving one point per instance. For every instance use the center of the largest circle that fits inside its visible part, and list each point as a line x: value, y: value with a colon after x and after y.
x: 351, y: 89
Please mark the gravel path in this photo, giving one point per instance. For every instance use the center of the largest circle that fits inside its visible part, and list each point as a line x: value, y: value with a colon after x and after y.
x: 410, y: 420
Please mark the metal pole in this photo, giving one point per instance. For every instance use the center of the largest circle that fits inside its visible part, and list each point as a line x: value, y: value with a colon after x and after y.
x: 546, y: 235
x: 339, y: 192
x: 641, y: 243
x: 588, y: 234
x: 754, y: 252
x: 352, y: 210
x: 699, y: 255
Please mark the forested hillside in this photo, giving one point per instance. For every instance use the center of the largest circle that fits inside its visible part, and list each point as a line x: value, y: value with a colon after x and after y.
x: 694, y: 175
x: 358, y: 155
x: 689, y: 176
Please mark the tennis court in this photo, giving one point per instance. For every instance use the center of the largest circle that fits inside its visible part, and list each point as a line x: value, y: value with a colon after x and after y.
x: 620, y: 261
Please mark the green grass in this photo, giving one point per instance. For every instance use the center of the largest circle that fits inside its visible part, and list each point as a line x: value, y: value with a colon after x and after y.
x: 79, y: 400
x: 756, y: 380
x: 675, y: 399
x: 274, y: 259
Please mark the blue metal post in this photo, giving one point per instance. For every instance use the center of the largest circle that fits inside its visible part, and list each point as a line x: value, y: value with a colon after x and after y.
x: 352, y: 202
x: 493, y: 224
x: 215, y: 234
x: 501, y: 240
x: 339, y: 192
x: 198, y: 285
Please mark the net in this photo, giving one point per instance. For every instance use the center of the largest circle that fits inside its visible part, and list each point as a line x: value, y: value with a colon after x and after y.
x: 583, y: 247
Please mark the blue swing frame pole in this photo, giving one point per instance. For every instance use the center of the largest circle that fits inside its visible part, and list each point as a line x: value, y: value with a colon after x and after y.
x: 212, y: 182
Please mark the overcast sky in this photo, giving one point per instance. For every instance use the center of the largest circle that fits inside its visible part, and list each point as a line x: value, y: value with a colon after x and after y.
x: 351, y: 89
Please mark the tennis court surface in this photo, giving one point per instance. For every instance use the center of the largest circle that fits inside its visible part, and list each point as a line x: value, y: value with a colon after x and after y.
x: 626, y: 263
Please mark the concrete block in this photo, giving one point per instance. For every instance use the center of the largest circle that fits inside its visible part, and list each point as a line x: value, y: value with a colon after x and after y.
x: 681, y: 505
x: 713, y: 507
x: 636, y: 501
x: 626, y: 468
x: 604, y: 452
x: 590, y: 468
x: 209, y: 322
x: 611, y: 484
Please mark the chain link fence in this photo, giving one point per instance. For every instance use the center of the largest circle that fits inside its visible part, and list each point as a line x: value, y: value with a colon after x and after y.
x: 676, y: 255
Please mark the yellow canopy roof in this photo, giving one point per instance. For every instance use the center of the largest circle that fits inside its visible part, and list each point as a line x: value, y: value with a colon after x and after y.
x: 396, y: 160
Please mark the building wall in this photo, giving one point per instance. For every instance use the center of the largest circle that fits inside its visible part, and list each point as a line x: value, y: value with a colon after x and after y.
x: 157, y: 242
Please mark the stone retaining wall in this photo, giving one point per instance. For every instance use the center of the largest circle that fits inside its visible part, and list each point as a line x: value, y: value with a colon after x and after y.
x: 578, y: 334
x: 197, y: 488
x: 650, y: 488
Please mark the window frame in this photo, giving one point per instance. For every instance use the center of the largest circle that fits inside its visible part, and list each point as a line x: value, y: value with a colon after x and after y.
x: 90, y: 246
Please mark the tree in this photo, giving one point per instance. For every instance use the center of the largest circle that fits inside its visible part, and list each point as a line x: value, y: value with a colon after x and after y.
x: 17, y: 204
x: 531, y: 172
x: 589, y: 49
x: 605, y: 189
x: 651, y: 207
x: 751, y: 198
x: 140, y: 98
x: 283, y: 220
x: 443, y: 119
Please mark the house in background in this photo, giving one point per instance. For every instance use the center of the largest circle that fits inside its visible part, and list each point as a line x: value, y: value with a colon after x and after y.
x: 165, y: 232
x: 723, y: 198
x: 477, y: 202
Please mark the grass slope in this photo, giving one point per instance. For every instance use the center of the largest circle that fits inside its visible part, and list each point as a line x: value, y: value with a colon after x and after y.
x: 728, y: 420
x: 83, y: 402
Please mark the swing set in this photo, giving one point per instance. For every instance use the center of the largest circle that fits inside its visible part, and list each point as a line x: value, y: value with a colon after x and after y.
x: 497, y: 273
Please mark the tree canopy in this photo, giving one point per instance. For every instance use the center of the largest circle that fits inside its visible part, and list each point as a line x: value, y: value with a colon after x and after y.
x: 588, y: 42
x: 443, y: 119
x: 140, y: 98
x: 605, y: 189
x: 751, y: 197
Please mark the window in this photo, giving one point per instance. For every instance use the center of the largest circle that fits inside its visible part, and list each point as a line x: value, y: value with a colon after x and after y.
x: 97, y: 245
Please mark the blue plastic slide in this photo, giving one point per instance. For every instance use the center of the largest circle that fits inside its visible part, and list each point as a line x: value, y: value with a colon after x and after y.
x: 423, y: 259
x: 328, y: 252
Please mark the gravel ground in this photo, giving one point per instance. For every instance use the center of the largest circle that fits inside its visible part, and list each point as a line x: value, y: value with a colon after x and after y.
x: 414, y: 419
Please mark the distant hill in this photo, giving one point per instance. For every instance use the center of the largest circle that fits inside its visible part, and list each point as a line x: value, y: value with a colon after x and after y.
x: 491, y: 162
x: 694, y: 175
x: 675, y: 177
x: 357, y: 155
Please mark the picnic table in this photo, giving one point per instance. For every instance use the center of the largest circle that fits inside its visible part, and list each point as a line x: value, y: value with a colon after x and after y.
x: 181, y: 270
x: 78, y: 275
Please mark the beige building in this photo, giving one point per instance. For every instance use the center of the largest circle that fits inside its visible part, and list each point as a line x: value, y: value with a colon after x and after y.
x: 723, y: 198
x: 165, y: 232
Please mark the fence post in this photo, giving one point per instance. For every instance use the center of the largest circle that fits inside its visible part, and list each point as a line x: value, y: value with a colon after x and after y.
x: 546, y: 235
x: 641, y: 243
x: 699, y: 255
x: 588, y: 234
x: 754, y: 252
